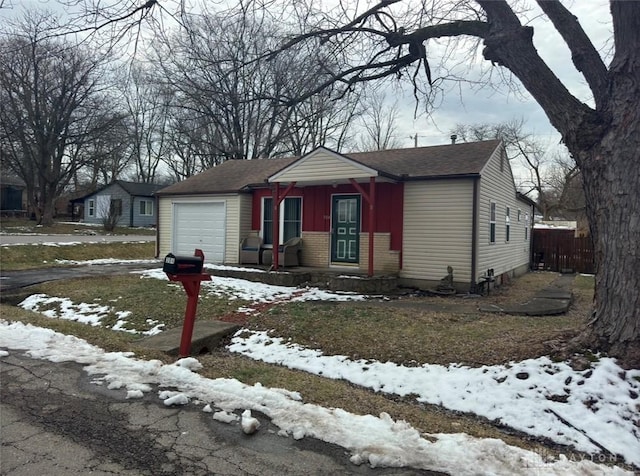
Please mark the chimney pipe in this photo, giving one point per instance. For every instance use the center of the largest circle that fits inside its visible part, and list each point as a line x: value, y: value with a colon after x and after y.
x: 453, y: 138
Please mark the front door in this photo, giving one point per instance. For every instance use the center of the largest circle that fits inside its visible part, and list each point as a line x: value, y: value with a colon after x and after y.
x: 345, y: 229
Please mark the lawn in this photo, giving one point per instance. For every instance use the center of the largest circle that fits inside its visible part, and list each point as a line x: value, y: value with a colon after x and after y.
x: 417, y: 332
x: 23, y: 226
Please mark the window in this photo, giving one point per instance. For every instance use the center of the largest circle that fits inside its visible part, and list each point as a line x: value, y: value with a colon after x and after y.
x: 146, y: 207
x: 526, y: 226
x: 91, y: 208
x: 492, y: 222
x: 290, y: 219
x: 519, y: 214
x: 507, y: 224
x: 115, y: 207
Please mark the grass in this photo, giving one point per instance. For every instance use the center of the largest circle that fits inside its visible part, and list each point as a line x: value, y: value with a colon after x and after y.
x: 423, y: 331
x: 17, y: 257
x: 23, y: 225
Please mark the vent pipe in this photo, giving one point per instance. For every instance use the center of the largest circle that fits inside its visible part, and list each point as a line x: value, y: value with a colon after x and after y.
x: 453, y: 138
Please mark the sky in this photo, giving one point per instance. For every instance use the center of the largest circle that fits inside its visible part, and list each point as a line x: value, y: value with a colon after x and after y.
x: 600, y: 403
x: 467, y: 105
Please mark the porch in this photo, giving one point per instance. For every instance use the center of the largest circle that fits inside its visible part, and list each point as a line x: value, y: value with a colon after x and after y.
x: 334, y: 279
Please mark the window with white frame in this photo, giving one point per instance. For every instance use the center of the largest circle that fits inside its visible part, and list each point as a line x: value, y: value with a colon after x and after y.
x: 526, y: 226
x: 492, y: 222
x: 519, y: 214
x: 91, y: 208
x: 290, y: 225
x: 146, y: 207
x: 507, y: 224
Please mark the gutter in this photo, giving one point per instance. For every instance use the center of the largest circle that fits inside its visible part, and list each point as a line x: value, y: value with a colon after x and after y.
x: 474, y: 233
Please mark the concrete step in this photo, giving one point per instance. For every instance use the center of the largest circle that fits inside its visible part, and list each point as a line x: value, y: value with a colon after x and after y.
x: 207, y: 335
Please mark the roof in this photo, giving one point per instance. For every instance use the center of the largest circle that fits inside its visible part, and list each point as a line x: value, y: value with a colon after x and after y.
x: 136, y: 189
x: 451, y: 160
x: 11, y: 180
x: 139, y: 189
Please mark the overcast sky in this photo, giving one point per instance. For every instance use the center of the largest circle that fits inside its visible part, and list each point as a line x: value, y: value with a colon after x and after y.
x: 468, y: 106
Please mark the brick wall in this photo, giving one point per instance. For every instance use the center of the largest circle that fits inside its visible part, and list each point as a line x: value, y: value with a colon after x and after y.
x: 385, y: 260
x: 315, y: 249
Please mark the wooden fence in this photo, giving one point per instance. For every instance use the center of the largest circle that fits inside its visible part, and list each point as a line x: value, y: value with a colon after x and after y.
x: 560, y: 250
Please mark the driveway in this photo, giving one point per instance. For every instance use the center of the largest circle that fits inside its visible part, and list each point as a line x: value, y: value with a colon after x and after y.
x: 14, y: 239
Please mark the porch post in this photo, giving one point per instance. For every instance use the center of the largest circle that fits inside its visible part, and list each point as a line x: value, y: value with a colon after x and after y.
x: 372, y: 223
x: 276, y: 225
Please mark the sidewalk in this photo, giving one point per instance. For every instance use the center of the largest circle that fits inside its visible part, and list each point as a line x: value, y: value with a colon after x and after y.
x: 554, y: 299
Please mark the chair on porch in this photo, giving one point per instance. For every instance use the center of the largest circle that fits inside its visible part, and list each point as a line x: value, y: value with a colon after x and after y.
x: 250, y: 250
x: 288, y: 253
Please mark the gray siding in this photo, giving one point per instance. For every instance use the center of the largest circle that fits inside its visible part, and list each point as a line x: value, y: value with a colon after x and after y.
x: 496, y: 185
x: 437, y: 229
x: 130, y: 207
x: 102, y: 200
x: 143, y: 220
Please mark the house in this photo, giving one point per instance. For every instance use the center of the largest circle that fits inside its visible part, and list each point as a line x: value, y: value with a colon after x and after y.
x: 13, y: 195
x: 407, y: 212
x: 133, y: 202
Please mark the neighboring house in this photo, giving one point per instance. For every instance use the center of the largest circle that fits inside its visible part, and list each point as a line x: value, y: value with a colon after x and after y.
x: 13, y: 195
x: 133, y: 202
x: 407, y: 212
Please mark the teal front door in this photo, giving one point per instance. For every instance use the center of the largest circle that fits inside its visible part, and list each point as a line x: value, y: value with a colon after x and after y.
x: 345, y: 229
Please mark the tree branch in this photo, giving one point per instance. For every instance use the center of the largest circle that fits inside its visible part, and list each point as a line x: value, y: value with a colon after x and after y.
x: 510, y: 44
x: 583, y: 54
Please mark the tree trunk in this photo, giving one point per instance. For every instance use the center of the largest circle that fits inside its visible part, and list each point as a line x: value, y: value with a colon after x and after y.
x: 611, y: 175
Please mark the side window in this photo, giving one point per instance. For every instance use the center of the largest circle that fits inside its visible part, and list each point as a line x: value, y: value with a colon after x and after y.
x: 526, y: 226
x: 91, y: 208
x: 492, y: 222
x: 146, y: 207
x: 115, y: 207
x: 507, y: 224
x: 267, y: 221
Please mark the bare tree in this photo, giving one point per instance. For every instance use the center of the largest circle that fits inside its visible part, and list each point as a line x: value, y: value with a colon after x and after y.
x: 50, y: 95
x: 236, y: 107
x: 379, y: 123
x: 147, y: 106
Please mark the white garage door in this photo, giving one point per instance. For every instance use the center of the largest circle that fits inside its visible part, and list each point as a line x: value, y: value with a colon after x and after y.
x: 199, y: 225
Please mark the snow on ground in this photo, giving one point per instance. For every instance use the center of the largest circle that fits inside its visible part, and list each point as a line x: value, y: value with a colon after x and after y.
x: 374, y: 440
x: 533, y: 396
x: 85, y: 313
x: 536, y: 396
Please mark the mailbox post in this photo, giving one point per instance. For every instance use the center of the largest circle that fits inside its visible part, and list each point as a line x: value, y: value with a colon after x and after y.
x: 188, y: 271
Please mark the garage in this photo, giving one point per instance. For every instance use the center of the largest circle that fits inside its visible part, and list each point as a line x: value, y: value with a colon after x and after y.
x: 199, y: 225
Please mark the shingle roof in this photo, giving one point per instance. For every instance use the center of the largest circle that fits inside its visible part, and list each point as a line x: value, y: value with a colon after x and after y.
x: 231, y: 176
x: 428, y: 162
x: 139, y: 189
x: 449, y: 160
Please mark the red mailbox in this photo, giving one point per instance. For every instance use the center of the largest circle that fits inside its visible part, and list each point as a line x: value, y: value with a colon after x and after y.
x: 188, y: 271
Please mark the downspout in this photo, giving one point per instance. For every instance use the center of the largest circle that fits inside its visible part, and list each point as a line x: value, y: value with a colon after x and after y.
x: 131, y: 202
x: 156, y: 211
x: 474, y: 234
x: 372, y: 221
